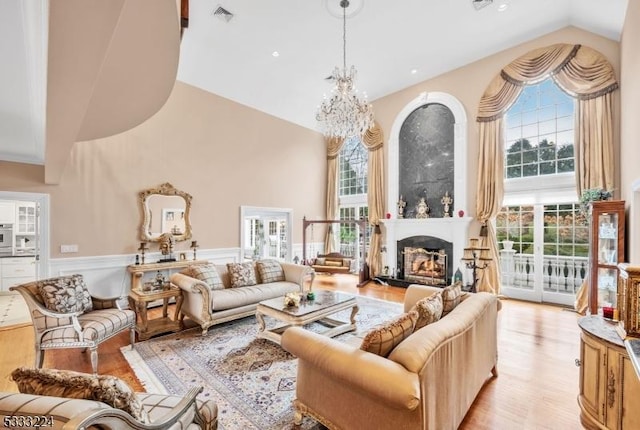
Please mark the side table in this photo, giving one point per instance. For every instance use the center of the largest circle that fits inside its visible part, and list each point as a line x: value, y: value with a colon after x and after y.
x: 145, y: 328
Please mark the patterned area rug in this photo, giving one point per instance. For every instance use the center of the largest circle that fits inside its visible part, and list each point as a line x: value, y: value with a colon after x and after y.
x: 13, y: 311
x: 252, y: 380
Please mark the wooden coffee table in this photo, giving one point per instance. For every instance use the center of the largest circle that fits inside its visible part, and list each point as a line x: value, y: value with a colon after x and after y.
x: 319, y: 310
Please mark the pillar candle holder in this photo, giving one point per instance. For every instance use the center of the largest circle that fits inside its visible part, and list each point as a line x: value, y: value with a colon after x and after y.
x: 143, y: 247
x: 194, y: 246
x: 476, y: 258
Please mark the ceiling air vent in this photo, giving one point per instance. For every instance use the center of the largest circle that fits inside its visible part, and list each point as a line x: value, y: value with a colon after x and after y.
x: 222, y: 14
x: 479, y: 4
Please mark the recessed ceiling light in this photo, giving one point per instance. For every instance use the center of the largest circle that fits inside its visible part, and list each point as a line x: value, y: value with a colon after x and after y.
x: 275, y: 53
x: 414, y: 71
x: 502, y: 7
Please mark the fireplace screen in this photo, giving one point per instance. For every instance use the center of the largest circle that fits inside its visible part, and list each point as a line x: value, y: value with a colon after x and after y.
x: 424, y: 266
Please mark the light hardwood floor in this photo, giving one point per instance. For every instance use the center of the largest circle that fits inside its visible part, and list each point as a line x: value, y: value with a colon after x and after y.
x: 537, y: 386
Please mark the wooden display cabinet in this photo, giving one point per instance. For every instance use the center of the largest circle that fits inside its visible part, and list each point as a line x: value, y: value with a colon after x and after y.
x: 606, y: 250
x: 629, y: 301
x: 609, y: 387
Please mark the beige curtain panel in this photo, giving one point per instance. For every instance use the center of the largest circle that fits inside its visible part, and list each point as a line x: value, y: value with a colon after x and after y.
x: 373, y: 141
x: 489, y: 196
x: 333, y: 150
x: 581, y: 72
x: 594, y: 151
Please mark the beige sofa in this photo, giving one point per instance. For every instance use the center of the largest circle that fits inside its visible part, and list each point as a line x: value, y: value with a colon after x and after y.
x: 429, y: 380
x: 208, y: 307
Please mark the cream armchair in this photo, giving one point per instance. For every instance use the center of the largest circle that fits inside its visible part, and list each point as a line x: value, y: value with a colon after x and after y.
x: 57, y: 330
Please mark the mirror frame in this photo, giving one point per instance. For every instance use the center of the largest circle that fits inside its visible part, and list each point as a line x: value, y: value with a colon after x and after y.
x: 165, y: 189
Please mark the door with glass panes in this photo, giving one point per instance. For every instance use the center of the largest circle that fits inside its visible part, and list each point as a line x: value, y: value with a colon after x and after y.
x: 543, y: 251
x: 542, y: 233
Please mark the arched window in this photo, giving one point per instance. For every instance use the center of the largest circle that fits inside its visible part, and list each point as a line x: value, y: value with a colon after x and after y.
x: 544, y: 236
x: 352, y: 192
x: 353, y: 169
x: 539, y: 132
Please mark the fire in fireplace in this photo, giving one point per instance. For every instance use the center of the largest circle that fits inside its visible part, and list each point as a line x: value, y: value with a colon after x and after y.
x: 425, y: 266
x: 431, y: 256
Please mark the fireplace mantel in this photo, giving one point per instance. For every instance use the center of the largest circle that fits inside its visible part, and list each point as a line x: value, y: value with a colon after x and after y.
x: 454, y: 230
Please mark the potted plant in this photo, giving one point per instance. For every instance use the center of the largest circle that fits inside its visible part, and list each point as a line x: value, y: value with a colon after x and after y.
x: 592, y: 195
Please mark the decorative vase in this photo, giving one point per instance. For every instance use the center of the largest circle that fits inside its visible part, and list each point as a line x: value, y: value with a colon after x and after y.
x: 507, y: 245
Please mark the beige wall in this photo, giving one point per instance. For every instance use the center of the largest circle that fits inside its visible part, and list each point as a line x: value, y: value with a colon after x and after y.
x: 222, y: 153
x: 630, y: 126
x: 469, y: 82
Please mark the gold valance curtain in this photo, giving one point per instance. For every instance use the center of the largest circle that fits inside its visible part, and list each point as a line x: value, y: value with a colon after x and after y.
x: 373, y: 141
x: 582, y: 73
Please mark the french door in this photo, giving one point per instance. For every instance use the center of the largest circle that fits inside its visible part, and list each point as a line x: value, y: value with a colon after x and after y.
x: 548, y: 259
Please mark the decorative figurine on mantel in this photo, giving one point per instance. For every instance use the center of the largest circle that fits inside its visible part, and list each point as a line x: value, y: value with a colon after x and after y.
x: 401, y: 206
x: 422, y: 209
x: 446, y: 202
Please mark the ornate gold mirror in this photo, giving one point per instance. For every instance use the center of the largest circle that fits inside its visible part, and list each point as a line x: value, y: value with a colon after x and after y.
x: 165, y: 210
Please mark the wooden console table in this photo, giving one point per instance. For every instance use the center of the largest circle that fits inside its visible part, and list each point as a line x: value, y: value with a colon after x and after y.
x: 609, y: 388
x: 138, y: 270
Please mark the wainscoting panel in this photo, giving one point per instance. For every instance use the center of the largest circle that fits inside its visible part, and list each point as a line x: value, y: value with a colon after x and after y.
x: 107, y: 276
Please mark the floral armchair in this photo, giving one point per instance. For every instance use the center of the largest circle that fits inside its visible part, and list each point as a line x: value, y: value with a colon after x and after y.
x: 64, y: 315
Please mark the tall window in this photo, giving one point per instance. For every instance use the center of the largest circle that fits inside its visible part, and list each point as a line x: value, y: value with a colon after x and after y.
x: 543, y: 234
x: 353, y: 169
x: 352, y: 192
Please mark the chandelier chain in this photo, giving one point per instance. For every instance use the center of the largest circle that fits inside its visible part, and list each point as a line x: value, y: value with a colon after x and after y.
x: 344, y: 114
x: 345, y: 5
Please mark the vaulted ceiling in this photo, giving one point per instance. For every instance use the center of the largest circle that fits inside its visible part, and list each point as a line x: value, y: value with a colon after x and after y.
x: 386, y: 41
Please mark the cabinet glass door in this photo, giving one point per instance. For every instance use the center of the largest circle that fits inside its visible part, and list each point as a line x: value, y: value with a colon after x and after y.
x: 607, y: 256
x: 26, y: 219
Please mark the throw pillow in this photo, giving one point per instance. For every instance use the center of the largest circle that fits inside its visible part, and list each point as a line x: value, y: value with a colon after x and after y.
x: 270, y: 271
x: 429, y: 310
x: 65, y: 294
x: 333, y: 263
x: 320, y: 261
x: 451, y: 297
x: 207, y: 274
x: 383, y: 339
x: 242, y: 274
x: 75, y: 385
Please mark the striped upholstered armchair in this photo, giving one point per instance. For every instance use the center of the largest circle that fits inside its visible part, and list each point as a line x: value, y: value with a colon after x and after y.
x: 63, y: 399
x: 64, y: 315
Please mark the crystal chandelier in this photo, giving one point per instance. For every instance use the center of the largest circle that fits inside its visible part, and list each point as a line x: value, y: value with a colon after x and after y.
x: 344, y: 114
